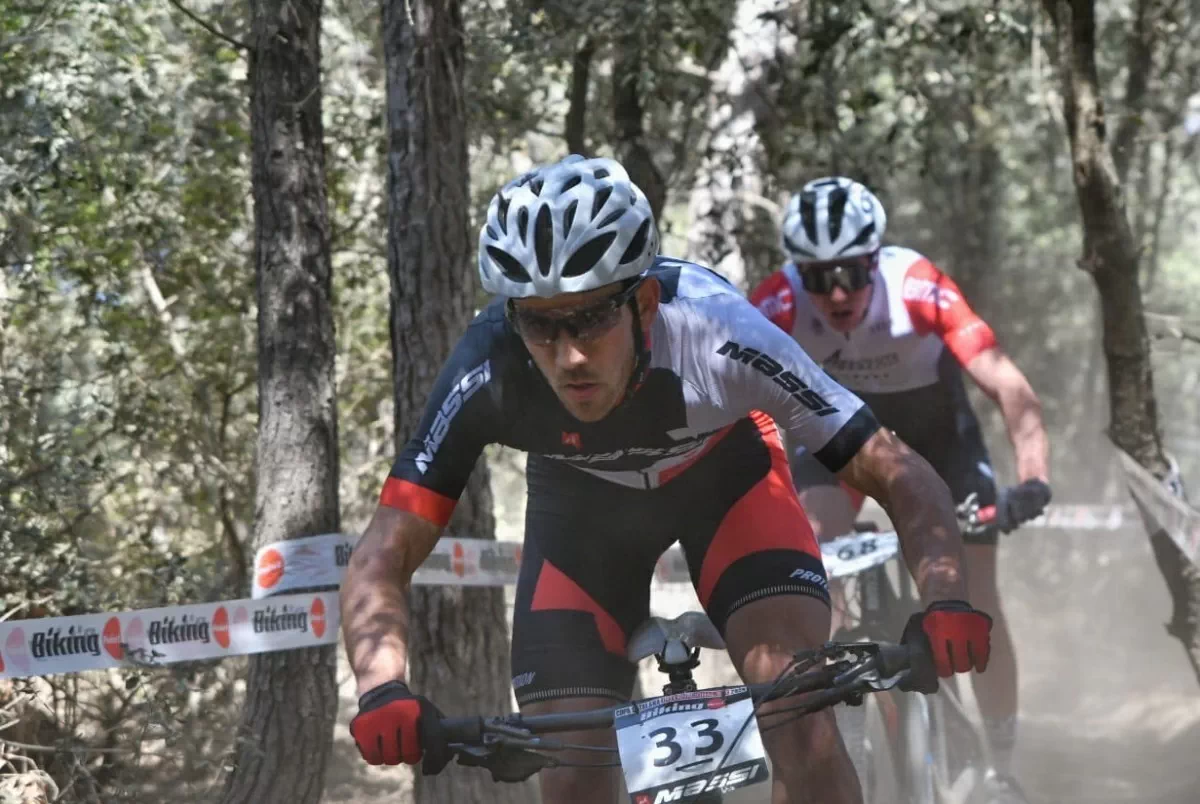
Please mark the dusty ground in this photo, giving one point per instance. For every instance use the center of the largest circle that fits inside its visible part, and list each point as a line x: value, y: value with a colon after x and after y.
x: 1110, y: 711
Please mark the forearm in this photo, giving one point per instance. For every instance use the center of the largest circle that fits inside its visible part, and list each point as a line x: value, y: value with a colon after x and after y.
x: 374, y: 599
x: 920, y: 507
x: 1001, y: 380
x: 922, y: 510
x: 1023, y: 418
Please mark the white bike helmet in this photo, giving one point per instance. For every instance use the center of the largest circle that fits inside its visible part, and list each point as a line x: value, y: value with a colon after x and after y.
x: 567, y: 227
x: 832, y: 218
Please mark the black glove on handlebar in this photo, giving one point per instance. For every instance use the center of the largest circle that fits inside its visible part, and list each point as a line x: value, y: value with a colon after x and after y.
x: 1018, y: 504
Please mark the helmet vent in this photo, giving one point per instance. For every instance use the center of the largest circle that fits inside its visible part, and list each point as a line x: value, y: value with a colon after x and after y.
x: 864, y: 236
x: 543, y: 239
x: 523, y: 224
x: 600, y: 200
x: 502, y: 214
x: 587, y: 255
x: 610, y: 218
x: 837, y: 212
x: 637, y: 244
x: 509, y: 265
x: 808, y: 214
x: 569, y: 217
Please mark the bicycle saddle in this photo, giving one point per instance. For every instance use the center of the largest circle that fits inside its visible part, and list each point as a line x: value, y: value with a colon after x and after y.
x: 674, y: 638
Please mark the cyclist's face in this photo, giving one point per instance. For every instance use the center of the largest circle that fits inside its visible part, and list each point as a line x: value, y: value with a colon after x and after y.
x: 843, y: 309
x: 590, y: 358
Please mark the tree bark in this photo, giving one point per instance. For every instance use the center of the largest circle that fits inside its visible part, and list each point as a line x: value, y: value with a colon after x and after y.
x: 576, y: 125
x: 458, y: 635
x: 631, y: 146
x: 1140, y: 63
x: 1110, y: 256
x: 286, y: 731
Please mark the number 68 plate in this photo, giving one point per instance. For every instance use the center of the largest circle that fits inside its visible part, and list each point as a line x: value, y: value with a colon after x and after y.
x: 680, y: 747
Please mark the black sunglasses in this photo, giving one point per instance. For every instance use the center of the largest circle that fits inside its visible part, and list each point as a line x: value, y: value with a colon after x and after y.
x: 582, y: 324
x: 849, y: 273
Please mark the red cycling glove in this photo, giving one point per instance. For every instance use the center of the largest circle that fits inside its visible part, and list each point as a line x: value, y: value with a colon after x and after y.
x: 394, y: 726
x: 956, y: 635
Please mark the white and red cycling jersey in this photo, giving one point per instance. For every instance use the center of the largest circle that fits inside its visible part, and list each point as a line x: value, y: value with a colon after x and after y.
x: 904, y: 359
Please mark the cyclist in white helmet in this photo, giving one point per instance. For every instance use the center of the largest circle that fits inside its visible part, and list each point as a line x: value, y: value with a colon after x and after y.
x: 887, y: 324
x: 650, y: 397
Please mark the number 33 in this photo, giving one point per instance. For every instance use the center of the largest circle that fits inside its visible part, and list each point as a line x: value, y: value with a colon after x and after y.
x: 707, y: 728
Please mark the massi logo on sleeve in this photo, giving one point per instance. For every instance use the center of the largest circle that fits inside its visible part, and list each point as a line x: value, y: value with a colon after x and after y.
x: 769, y: 366
x: 463, y: 390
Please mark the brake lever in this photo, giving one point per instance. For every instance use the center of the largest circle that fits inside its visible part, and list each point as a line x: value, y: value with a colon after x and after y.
x: 505, y: 762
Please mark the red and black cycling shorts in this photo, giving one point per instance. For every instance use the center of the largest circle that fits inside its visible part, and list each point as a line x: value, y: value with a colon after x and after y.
x: 591, y: 547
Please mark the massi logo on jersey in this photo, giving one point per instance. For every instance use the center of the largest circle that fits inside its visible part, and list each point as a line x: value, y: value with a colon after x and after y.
x: 475, y: 379
x: 765, y: 364
x: 926, y: 290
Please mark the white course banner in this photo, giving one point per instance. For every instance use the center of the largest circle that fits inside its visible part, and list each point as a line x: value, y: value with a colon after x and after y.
x: 151, y: 637
x: 317, y: 563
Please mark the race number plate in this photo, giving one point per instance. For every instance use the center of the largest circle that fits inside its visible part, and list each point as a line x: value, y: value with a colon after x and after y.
x: 679, y: 747
x: 849, y: 555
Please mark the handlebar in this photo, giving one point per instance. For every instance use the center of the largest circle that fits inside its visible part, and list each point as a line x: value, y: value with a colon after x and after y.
x: 973, y: 518
x: 510, y: 745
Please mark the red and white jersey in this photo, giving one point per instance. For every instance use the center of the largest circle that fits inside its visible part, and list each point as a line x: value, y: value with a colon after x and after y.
x: 916, y: 312
x: 903, y: 359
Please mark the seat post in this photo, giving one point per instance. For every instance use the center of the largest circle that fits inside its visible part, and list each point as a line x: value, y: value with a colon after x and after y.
x: 677, y: 659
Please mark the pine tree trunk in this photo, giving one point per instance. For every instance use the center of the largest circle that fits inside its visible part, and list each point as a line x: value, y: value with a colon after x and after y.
x: 631, y: 147
x: 1110, y: 255
x: 458, y: 635
x: 287, y: 724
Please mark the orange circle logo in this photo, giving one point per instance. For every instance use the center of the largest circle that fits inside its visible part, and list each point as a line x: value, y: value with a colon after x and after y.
x: 111, y: 636
x: 220, y: 626
x: 270, y: 568
x: 459, y: 560
x: 317, y: 615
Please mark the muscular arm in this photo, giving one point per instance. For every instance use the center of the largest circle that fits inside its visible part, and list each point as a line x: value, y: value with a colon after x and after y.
x: 919, y: 504
x: 1001, y: 380
x: 374, y: 594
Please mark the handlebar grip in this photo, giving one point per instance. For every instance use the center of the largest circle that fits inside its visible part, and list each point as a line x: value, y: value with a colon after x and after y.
x: 987, y: 515
x: 894, y: 659
x: 462, y: 729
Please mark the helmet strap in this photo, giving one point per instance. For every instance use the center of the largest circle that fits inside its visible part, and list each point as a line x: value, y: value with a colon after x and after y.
x: 641, y: 354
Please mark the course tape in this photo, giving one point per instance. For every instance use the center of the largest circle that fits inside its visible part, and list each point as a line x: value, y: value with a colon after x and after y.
x: 1162, y: 502
x: 280, y: 617
x: 151, y: 637
x: 318, y: 562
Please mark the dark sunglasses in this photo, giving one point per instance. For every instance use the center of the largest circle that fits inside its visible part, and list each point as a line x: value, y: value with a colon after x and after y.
x: 850, y: 274
x: 583, y: 324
